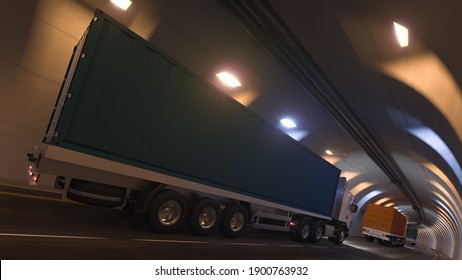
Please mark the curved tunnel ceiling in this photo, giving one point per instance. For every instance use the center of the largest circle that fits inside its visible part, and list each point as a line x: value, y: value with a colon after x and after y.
x: 265, y: 25
x: 402, y: 105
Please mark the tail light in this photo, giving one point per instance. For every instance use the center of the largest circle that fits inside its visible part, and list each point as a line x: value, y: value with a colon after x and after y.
x: 34, y: 160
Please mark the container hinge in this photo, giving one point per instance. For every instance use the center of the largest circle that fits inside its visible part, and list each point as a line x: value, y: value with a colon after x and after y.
x: 64, y: 92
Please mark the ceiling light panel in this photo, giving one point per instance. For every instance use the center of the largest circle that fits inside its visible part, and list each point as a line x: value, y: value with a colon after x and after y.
x: 402, y: 34
x: 228, y: 79
x: 288, y: 123
x: 123, y: 4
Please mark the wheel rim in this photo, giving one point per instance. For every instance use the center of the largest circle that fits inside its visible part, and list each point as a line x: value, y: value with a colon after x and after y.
x: 237, y: 222
x: 169, y: 212
x: 319, y: 232
x: 341, y: 236
x: 305, y: 231
x: 207, y: 218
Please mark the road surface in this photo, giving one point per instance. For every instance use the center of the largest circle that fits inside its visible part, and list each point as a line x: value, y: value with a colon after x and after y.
x: 40, y: 225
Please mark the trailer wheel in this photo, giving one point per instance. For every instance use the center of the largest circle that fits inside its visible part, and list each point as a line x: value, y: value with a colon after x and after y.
x: 318, y: 232
x: 167, y: 212
x: 302, y: 232
x: 340, y: 236
x: 234, y: 220
x: 204, y: 216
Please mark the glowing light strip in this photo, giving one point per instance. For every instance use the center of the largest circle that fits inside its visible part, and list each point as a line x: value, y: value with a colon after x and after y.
x: 402, y: 34
x: 432, y: 139
x: 228, y: 79
x: 123, y: 4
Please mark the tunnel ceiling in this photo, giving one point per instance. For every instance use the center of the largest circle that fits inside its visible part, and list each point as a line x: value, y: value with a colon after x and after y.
x: 391, y: 116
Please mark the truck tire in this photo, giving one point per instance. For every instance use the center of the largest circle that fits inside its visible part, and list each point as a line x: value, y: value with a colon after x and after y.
x: 204, y: 216
x: 303, y: 230
x: 370, y: 238
x: 340, y: 236
x: 318, y: 232
x: 234, y: 220
x: 167, y: 212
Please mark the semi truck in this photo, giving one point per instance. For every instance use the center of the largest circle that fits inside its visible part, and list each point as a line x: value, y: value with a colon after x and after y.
x: 385, y: 224
x: 133, y: 128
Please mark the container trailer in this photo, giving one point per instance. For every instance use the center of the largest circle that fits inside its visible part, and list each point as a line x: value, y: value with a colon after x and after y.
x: 385, y: 224
x: 411, y: 234
x: 133, y: 128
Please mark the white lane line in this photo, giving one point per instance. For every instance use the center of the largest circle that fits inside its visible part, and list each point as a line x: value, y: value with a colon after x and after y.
x: 139, y: 240
x: 35, y: 197
x: 50, y: 236
x: 360, y: 247
x: 248, y: 244
x: 292, y: 246
x: 172, y: 241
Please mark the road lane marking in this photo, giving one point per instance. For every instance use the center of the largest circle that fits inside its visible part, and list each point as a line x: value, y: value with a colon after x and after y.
x: 356, y: 246
x: 34, y: 197
x: 289, y: 245
x: 146, y: 240
x: 173, y: 241
x: 248, y: 244
x: 50, y: 236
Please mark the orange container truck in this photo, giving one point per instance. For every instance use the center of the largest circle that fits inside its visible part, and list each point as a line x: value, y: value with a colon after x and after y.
x: 386, y: 224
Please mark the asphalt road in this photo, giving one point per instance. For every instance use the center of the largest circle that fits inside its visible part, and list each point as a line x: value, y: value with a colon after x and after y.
x: 39, y: 225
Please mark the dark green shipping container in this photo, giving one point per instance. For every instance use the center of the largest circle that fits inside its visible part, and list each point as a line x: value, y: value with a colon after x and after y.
x: 411, y: 232
x: 133, y: 104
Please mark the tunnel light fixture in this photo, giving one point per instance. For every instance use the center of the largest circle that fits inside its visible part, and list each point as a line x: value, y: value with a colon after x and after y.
x: 401, y: 34
x: 123, y: 4
x: 329, y: 152
x: 288, y: 123
x: 228, y: 79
